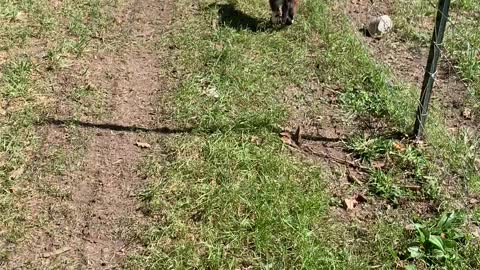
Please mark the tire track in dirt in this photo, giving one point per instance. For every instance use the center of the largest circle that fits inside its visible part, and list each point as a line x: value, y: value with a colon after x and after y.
x: 96, y: 229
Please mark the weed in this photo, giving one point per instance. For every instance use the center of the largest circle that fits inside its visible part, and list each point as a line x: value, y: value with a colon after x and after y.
x: 369, y: 148
x: 438, y: 243
x: 82, y: 92
x: 363, y: 98
x: 383, y: 184
x: 411, y: 159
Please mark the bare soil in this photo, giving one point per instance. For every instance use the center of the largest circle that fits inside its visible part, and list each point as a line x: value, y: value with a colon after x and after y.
x: 92, y: 219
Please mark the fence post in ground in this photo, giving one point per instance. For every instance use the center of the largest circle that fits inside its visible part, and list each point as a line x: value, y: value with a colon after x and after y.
x: 431, y: 69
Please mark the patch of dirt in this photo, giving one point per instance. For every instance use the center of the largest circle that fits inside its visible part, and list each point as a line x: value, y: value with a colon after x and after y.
x: 408, y: 61
x: 94, y: 225
x: 320, y: 119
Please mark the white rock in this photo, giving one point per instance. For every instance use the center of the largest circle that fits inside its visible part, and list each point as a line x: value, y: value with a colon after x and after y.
x: 380, y: 25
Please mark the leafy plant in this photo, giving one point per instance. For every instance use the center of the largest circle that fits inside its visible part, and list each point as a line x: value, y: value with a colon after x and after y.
x: 383, y: 184
x: 369, y: 149
x: 411, y: 159
x: 438, y: 243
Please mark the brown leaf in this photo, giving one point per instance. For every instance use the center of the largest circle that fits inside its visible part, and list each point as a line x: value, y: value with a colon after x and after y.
x: 378, y: 164
x: 17, y: 173
x: 399, y: 146
x: 143, y: 145
x: 20, y: 17
x: 256, y: 140
x: 410, y: 227
x: 286, y: 138
x: 349, y: 204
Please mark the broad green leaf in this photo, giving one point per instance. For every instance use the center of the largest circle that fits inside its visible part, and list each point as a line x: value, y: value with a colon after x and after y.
x: 436, y: 241
x: 449, y: 243
x: 415, y: 252
x: 443, y: 220
x: 439, y: 254
x: 421, y: 235
x: 458, y: 235
x: 410, y: 267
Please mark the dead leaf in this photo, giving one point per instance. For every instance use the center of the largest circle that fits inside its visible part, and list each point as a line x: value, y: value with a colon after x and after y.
x: 399, y: 146
x: 378, y: 164
x: 20, y: 17
x: 349, y: 204
x: 56, y: 252
x: 212, y: 92
x: 256, y: 140
x: 286, y: 138
x: 410, y: 227
x: 143, y: 145
x: 467, y: 113
x: 17, y: 173
x: 473, y: 201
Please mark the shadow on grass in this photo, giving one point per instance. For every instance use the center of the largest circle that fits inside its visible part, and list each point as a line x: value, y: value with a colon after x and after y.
x: 230, y: 16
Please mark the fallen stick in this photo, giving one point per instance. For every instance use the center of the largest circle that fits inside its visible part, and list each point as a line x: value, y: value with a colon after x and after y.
x: 56, y: 252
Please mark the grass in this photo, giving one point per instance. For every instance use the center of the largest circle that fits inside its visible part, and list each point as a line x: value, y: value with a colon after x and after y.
x: 216, y: 204
x: 38, y: 41
x: 16, y: 140
x: 225, y: 202
x: 462, y: 40
x: 230, y: 194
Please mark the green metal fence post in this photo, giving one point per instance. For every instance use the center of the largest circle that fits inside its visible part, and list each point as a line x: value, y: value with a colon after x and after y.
x: 431, y: 69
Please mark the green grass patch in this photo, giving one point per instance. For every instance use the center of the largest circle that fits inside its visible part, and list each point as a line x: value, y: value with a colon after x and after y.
x: 17, y: 139
x: 222, y: 201
x: 37, y: 40
x: 227, y: 202
x: 416, y: 20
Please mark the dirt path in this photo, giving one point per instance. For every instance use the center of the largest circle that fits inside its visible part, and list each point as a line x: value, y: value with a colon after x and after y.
x: 94, y: 227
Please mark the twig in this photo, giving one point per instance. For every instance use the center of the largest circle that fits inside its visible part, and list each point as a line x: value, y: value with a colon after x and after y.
x: 412, y: 187
x: 337, y: 160
x: 56, y: 252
